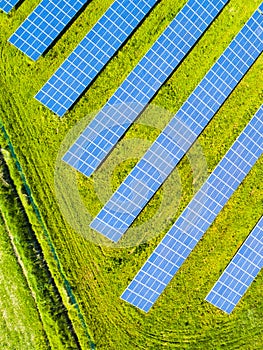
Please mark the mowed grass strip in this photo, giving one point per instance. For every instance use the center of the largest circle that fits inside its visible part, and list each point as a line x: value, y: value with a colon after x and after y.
x: 181, y: 319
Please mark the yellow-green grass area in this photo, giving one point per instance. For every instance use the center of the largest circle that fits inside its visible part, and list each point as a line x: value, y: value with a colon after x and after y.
x: 180, y: 319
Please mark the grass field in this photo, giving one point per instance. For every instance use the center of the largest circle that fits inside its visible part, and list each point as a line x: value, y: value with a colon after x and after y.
x: 59, y: 333
x: 97, y: 275
x: 20, y: 325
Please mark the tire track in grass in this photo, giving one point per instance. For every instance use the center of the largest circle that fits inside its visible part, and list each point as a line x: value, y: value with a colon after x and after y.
x: 66, y: 283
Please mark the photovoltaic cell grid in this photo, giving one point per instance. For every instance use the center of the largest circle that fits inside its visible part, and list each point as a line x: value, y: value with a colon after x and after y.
x: 7, y: 6
x: 177, y: 137
x: 139, y: 87
x: 240, y: 273
x: 181, y: 239
x: 94, y: 51
x: 43, y: 25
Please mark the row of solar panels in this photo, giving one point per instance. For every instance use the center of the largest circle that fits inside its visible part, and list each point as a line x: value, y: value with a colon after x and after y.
x: 7, y: 5
x: 158, y: 162
x: 240, y: 273
x: 148, y: 175
x: 140, y: 86
x: 49, y: 18
x: 130, y: 99
x: 197, y: 217
x: 177, y: 137
x: 46, y: 23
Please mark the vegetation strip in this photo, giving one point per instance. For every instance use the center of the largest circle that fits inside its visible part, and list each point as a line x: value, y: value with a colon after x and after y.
x: 51, y: 246
x: 49, y: 304
x: 20, y: 321
x: 20, y: 263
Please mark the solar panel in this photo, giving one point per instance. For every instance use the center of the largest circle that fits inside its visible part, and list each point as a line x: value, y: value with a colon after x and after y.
x: 44, y: 25
x: 240, y: 273
x: 200, y: 213
x: 177, y: 137
x: 142, y: 83
x: 7, y: 6
x: 93, y: 52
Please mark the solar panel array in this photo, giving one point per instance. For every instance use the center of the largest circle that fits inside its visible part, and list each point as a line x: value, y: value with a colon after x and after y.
x: 139, y: 87
x: 240, y: 273
x: 94, y: 51
x: 7, y: 6
x: 44, y: 25
x: 177, y: 137
x: 181, y: 239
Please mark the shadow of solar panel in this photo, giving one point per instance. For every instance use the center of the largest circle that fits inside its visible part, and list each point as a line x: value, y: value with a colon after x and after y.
x: 240, y: 273
x: 44, y: 25
x: 200, y: 213
x: 91, y: 55
x: 7, y: 6
x: 184, y: 128
x: 142, y: 83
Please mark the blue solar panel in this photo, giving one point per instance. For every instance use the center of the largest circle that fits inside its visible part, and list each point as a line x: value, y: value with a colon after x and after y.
x: 177, y: 137
x: 183, y: 236
x: 43, y: 26
x: 94, y: 51
x: 7, y: 6
x: 240, y: 273
x: 136, y: 91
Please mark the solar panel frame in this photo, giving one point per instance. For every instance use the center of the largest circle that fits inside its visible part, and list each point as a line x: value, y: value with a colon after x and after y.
x: 240, y: 272
x: 129, y: 100
x: 197, y: 217
x: 7, y: 6
x: 80, y: 68
x: 45, y: 23
x: 177, y: 137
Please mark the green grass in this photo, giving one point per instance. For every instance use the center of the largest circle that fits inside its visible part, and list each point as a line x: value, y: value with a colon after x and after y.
x: 20, y: 324
x: 54, y: 316
x: 180, y: 319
